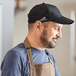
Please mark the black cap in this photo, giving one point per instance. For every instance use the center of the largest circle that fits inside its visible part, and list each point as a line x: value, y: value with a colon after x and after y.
x: 47, y: 12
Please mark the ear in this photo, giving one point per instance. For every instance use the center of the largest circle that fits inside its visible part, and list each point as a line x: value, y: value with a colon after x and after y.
x: 38, y: 26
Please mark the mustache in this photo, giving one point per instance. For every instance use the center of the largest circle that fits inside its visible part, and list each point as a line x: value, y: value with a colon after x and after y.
x: 55, y: 38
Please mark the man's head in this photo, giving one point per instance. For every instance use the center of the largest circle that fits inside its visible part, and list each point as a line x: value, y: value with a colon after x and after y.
x: 46, y: 21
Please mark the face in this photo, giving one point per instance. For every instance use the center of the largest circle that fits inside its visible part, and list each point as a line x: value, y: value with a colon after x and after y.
x: 51, y: 34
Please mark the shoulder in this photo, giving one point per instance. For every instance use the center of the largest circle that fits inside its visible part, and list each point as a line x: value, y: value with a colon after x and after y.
x: 20, y: 49
x: 15, y: 57
x: 17, y: 52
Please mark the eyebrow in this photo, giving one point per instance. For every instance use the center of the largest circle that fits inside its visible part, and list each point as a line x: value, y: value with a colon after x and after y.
x: 55, y: 25
x: 58, y: 25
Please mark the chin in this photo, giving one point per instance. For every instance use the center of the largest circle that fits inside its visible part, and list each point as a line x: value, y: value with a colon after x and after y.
x: 52, y: 45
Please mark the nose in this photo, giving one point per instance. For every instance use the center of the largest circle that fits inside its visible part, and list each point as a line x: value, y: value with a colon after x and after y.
x: 59, y: 34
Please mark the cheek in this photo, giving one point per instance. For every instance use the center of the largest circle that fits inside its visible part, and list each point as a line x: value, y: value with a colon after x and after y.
x: 51, y: 33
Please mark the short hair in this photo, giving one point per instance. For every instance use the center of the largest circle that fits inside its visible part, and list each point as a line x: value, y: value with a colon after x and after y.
x: 45, y: 24
x: 31, y: 25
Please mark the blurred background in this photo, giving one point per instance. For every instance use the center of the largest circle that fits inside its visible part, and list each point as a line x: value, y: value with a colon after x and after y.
x: 14, y: 28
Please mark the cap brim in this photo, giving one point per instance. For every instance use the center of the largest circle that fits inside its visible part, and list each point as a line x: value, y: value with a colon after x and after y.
x: 63, y: 20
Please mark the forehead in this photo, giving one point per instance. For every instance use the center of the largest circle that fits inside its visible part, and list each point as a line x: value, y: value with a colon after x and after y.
x: 54, y: 24
x: 58, y: 25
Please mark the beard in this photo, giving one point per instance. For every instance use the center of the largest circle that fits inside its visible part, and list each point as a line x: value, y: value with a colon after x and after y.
x: 45, y: 41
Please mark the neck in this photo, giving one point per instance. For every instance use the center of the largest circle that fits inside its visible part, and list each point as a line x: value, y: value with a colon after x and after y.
x: 35, y: 42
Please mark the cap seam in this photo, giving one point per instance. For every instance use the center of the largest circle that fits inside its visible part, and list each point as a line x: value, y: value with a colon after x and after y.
x: 47, y: 10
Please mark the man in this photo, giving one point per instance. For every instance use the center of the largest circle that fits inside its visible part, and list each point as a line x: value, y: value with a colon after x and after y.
x: 32, y: 57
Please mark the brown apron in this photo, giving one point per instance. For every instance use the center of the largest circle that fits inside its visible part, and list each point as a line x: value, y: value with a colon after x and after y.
x: 46, y: 69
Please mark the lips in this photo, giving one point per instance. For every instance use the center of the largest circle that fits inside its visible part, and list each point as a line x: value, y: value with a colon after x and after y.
x: 55, y: 39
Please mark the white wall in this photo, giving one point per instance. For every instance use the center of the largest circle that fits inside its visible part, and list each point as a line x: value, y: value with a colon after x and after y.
x: 0, y: 34
x: 8, y: 25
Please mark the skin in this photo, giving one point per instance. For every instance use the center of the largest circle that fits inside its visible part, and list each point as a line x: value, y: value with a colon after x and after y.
x: 41, y: 37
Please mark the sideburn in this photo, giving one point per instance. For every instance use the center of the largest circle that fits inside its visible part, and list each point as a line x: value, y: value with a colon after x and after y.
x: 43, y: 38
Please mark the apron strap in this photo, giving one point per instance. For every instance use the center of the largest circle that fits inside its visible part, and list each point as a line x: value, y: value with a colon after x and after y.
x: 48, y: 56
x: 28, y: 50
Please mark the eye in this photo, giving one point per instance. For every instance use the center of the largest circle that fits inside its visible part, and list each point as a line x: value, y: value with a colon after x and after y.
x: 56, y: 28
